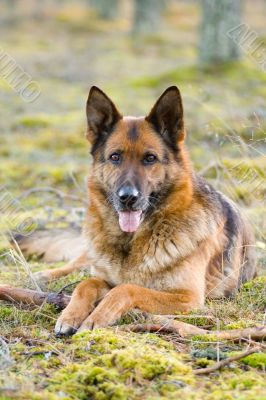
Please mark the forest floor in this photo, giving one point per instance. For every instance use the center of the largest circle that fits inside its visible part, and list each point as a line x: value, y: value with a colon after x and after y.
x: 43, y: 147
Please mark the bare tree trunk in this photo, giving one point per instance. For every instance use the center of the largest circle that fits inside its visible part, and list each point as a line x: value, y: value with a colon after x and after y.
x: 218, y: 18
x: 106, y: 9
x: 148, y: 16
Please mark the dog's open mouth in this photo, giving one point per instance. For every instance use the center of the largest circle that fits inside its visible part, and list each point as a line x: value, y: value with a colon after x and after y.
x: 129, y: 221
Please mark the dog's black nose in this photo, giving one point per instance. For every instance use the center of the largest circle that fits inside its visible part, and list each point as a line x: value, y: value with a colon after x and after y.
x: 128, y: 195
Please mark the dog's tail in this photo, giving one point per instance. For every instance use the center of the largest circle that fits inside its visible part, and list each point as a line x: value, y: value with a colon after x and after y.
x: 51, y: 245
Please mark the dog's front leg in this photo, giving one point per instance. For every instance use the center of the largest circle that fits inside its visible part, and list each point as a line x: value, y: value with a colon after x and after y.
x: 123, y: 298
x: 82, y: 302
x: 76, y: 264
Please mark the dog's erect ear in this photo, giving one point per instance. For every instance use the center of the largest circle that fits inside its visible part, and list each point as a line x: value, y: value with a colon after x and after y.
x: 102, y: 115
x: 166, y: 116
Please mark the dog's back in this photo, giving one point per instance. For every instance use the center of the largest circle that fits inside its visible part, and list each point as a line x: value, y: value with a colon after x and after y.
x: 236, y: 263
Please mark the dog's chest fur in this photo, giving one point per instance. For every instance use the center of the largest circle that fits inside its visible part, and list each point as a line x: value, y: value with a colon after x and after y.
x: 152, y: 257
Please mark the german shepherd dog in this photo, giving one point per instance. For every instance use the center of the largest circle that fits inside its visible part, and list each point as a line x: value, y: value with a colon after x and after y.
x: 156, y: 236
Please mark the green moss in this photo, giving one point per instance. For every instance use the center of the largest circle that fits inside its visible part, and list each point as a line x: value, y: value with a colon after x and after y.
x: 240, y: 324
x: 114, y: 359
x: 185, y: 74
x: 6, y: 313
x: 253, y: 294
x: 257, y: 284
x: 192, y: 74
x: 5, y: 397
x: 34, y: 121
x: 247, y: 381
x: 256, y: 360
x: 89, y: 381
x: 196, y: 320
x: 205, y: 338
x: 38, y: 319
x: 98, y: 342
x: 202, y: 362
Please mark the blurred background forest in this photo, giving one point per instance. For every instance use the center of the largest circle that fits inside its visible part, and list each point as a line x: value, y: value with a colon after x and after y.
x: 52, y: 51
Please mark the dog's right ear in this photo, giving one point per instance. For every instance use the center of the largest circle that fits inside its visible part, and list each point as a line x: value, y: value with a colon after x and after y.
x: 102, y: 115
x: 167, y: 117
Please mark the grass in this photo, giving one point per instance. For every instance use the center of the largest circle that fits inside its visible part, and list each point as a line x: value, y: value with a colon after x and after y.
x: 111, y: 364
x: 43, y: 145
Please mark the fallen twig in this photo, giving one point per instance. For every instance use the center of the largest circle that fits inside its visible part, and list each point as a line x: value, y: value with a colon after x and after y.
x: 183, y: 329
x: 158, y: 323
x: 67, y: 286
x: 61, y: 195
x: 254, y: 333
x: 29, y: 354
x: 250, y: 341
x: 147, y: 328
x: 32, y: 297
x: 227, y: 361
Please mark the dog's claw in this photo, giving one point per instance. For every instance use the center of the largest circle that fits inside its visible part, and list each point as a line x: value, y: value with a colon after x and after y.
x: 91, y: 323
x: 68, y: 323
x: 64, y: 329
x: 86, y: 327
x: 65, y: 332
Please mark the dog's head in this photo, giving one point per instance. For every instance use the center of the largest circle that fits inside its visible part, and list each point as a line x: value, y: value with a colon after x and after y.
x: 137, y: 161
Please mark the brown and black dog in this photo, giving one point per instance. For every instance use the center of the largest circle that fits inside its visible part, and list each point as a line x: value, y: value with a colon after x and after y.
x: 156, y: 237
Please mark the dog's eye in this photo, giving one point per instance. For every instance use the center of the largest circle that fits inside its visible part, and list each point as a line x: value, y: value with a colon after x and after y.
x: 115, y: 158
x: 149, y: 159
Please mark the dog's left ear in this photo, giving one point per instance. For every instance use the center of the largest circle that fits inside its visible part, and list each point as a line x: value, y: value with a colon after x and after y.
x: 102, y: 115
x: 167, y: 117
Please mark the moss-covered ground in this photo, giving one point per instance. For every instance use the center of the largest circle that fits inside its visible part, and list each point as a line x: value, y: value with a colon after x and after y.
x: 42, y: 145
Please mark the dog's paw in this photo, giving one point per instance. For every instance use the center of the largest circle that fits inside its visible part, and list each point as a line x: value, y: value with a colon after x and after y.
x: 98, y: 319
x: 90, y: 323
x: 70, y: 320
x: 67, y: 325
x: 116, y: 303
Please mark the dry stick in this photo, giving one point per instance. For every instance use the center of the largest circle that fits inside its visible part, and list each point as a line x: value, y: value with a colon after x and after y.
x: 161, y: 324
x: 32, y: 297
x: 157, y: 328
x: 67, y: 286
x: 182, y: 316
x: 184, y: 329
x: 61, y: 195
x: 250, y: 341
x: 254, y: 333
x: 227, y: 361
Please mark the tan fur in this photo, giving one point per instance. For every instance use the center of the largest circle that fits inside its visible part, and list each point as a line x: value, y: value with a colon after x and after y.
x: 181, y: 252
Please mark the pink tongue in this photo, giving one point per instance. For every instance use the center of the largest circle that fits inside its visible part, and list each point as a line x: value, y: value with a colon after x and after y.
x: 129, y: 220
